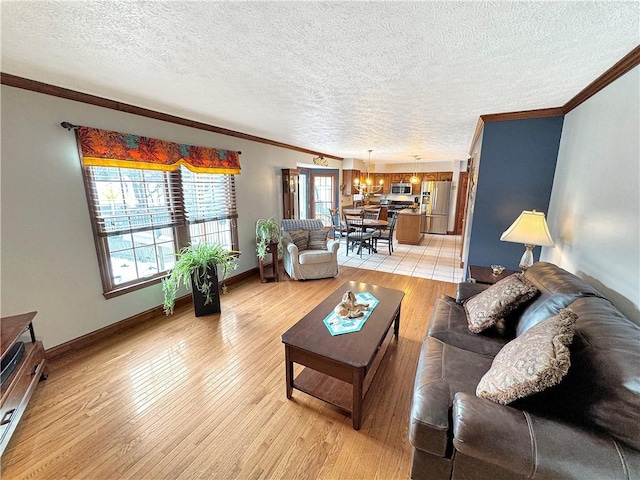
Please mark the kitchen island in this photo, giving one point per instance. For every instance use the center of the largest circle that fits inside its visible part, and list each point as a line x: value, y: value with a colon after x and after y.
x: 408, y: 227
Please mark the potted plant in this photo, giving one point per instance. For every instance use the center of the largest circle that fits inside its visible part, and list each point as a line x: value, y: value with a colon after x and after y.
x: 267, y: 231
x: 196, y: 267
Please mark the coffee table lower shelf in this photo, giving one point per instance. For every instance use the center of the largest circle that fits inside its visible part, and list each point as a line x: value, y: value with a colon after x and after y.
x: 339, y: 393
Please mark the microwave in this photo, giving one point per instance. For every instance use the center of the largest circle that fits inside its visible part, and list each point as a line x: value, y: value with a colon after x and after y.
x: 401, y: 188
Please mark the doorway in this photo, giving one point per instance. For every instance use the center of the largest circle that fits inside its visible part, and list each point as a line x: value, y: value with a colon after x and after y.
x: 318, y: 194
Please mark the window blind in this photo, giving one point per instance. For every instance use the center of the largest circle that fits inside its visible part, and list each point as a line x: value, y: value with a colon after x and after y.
x: 131, y: 200
x: 208, y: 197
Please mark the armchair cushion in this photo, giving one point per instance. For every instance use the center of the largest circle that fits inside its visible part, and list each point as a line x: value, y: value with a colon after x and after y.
x: 313, y: 257
x: 318, y: 239
x: 300, y: 238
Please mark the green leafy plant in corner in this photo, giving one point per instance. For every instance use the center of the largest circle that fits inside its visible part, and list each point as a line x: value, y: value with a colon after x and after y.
x: 267, y: 231
x: 191, y: 265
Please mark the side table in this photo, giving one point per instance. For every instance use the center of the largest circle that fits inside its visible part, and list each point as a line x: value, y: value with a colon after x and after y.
x: 269, y: 271
x: 481, y: 274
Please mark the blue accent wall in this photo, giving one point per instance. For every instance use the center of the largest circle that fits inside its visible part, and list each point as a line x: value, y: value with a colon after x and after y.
x: 516, y: 169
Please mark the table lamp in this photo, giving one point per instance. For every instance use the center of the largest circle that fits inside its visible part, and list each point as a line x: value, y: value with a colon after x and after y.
x: 531, y: 229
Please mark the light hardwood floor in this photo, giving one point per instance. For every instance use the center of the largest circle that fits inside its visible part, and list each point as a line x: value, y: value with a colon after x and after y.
x: 185, y: 397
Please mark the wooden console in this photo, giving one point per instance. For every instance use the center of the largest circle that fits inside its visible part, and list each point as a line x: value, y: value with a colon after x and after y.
x: 19, y: 387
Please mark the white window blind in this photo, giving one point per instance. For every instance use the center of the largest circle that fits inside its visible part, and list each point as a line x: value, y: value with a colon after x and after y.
x: 131, y: 200
x: 208, y: 197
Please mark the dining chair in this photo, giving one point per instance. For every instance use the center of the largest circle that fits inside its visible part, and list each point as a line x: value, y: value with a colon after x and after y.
x: 385, y: 235
x: 357, y: 235
x: 338, y: 227
x: 372, y: 213
x: 354, y: 212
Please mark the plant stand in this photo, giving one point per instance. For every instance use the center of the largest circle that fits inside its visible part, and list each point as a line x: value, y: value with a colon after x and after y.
x: 269, y: 271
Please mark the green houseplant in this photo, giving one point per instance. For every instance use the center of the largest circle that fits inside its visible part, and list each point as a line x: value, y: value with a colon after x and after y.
x: 196, y: 267
x: 267, y: 231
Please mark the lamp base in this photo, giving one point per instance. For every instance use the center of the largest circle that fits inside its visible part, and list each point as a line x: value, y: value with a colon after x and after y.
x: 527, y: 258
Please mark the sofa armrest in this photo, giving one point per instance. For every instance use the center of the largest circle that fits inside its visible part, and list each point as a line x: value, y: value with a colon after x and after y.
x: 332, y: 246
x: 536, y: 447
x: 292, y: 248
x: 466, y: 290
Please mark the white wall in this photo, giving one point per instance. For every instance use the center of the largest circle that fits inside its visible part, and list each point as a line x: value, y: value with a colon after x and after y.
x: 594, y: 214
x: 48, y: 257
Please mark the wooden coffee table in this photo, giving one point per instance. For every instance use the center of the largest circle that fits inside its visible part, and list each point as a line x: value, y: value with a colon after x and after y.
x: 335, y: 362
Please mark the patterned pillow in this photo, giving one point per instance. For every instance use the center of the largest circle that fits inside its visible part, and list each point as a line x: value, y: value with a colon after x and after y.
x: 300, y: 238
x: 487, y: 307
x: 318, y: 239
x: 537, y: 359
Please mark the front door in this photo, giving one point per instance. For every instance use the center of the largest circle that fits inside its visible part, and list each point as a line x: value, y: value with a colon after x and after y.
x: 324, y: 193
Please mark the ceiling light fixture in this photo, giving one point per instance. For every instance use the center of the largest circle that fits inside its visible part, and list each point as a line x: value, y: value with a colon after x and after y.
x: 367, y: 187
x: 414, y: 178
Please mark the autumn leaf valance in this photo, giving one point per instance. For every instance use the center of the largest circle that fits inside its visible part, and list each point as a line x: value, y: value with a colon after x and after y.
x: 113, y: 149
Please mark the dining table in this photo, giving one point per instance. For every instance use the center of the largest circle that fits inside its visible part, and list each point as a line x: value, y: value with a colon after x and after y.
x: 369, y: 223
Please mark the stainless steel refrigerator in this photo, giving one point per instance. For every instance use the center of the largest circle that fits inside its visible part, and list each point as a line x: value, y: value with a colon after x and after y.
x: 434, y: 206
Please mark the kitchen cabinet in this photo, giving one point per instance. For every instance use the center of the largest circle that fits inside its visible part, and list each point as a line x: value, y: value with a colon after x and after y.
x: 386, y: 185
x: 348, y: 177
x: 416, y: 188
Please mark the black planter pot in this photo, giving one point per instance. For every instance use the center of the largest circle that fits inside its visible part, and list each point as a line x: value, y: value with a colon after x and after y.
x: 199, y: 307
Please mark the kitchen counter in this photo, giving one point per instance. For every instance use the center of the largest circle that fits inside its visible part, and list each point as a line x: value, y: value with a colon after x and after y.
x: 409, y: 211
x: 408, y: 226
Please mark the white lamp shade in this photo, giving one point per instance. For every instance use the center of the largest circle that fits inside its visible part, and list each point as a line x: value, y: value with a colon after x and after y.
x: 529, y: 228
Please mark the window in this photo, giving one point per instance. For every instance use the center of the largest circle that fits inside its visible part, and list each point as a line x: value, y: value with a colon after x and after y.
x: 323, y: 197
x: 141, y: 218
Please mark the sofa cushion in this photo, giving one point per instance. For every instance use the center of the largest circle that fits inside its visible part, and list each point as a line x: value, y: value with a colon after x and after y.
x: 311, y: 257
x: 318, y: 239
x: 442, y: 371
x: 300, y: 238
x: 492, y: 304
x: 602, y: 388
x: 536, y: 360
x: 558, y: 289
x: 449, y: 325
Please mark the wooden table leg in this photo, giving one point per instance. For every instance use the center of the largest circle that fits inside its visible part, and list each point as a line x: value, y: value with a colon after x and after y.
x: 396, y: 323
x: 288, y: 371
x: 358, y: 379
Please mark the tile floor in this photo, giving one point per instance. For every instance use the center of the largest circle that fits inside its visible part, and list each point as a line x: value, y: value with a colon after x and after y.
x: 437, y: 257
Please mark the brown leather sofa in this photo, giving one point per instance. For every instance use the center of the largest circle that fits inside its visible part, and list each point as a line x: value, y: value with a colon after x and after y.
x: 586, y: 427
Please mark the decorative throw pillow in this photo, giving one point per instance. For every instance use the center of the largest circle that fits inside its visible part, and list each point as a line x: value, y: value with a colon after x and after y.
x: 300, y: 238
x: 537, y: 359
x: 487, y: 307
x: 318, y: 239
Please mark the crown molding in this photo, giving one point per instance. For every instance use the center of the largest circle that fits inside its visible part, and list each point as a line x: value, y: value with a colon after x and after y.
x: 47, y: 89
x: 628, y: 62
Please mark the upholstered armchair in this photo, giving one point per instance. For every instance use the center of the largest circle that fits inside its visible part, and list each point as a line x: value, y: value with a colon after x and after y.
x: 306, y: 252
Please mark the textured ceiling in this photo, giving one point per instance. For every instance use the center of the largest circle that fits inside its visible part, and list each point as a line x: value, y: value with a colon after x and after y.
x: 401, y: 78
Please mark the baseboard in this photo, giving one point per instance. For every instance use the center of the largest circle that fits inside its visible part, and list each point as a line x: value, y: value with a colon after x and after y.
x: 109, y: 330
